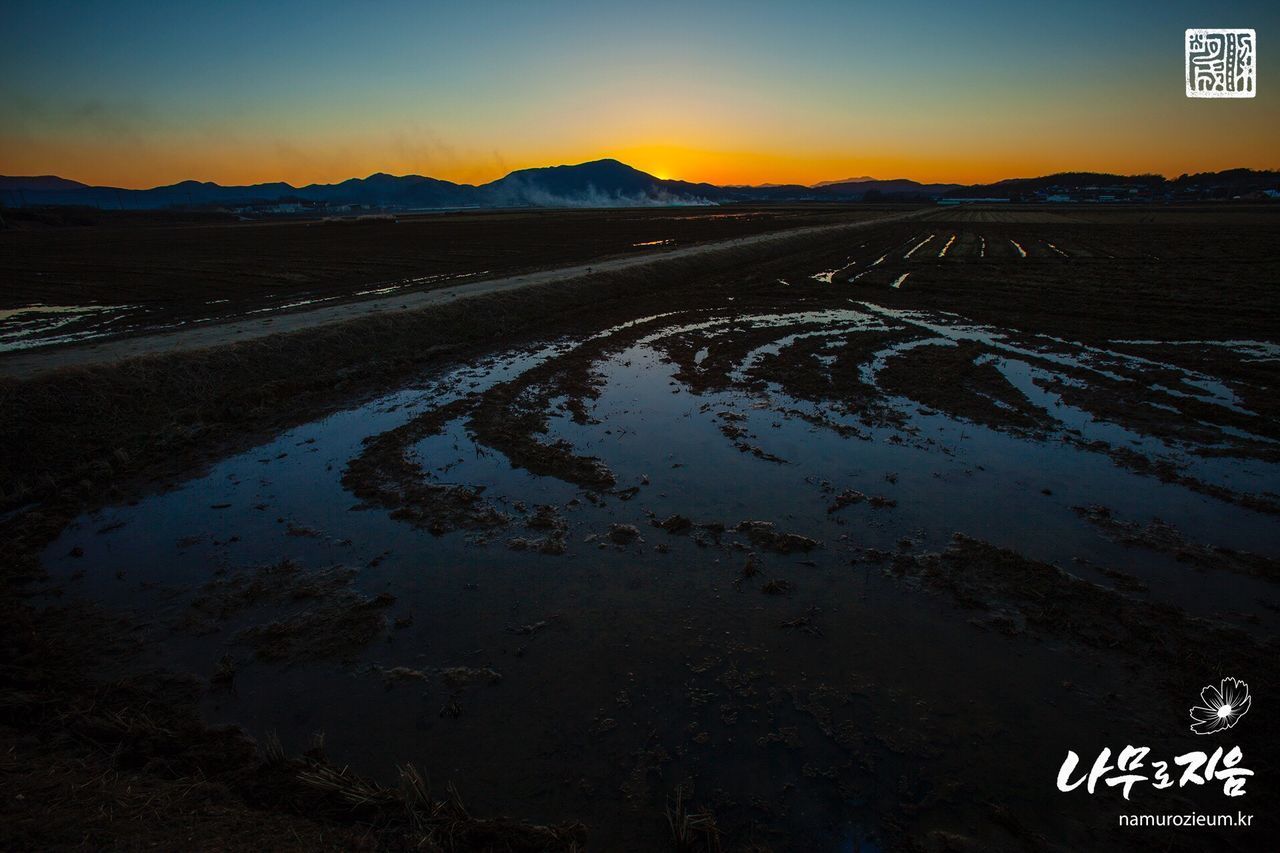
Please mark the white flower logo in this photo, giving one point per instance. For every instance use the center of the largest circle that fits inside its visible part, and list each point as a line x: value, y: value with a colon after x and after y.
x: 1223, y: 707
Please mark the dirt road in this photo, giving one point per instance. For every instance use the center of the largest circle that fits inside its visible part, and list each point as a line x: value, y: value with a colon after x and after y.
x: 24, y: 364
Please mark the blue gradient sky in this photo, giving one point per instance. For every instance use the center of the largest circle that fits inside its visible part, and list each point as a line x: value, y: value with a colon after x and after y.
x: 140, y: 93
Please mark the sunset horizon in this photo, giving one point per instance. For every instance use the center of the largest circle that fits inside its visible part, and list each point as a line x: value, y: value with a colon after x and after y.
x: 851, y: 172
x: 318, y: 94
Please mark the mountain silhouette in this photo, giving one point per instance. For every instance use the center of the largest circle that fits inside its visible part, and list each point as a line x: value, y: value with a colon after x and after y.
x: 896, y: 185
x: 863, y: 179
x: 39, y: 183
x: 599, y: 183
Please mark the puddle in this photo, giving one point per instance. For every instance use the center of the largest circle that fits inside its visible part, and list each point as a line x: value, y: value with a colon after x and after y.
x: 695, y: 547
x: 1250, y: 350
x: 37, y: 325
x: 919, y: 246
x: 297, y: 303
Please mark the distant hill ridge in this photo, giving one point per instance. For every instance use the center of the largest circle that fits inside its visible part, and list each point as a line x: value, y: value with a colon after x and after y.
x: 40, y: 183
x: 599, y: 183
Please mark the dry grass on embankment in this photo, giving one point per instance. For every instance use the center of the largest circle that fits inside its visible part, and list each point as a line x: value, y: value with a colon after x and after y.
x: 93, y: 760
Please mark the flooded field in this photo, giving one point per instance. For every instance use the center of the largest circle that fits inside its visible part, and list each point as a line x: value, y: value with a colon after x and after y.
x: 810, y: 564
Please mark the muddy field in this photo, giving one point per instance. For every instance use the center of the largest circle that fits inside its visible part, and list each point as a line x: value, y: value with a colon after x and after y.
x: 842, y: 549
x: 126, y: 274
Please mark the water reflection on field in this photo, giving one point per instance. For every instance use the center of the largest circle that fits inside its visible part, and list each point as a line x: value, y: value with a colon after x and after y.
x: 699, y: 550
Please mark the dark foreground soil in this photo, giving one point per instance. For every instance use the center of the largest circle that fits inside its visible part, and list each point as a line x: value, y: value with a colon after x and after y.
x: 98, y: 756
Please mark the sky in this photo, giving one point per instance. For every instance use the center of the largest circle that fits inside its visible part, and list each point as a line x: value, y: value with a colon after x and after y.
x: 135, y: 93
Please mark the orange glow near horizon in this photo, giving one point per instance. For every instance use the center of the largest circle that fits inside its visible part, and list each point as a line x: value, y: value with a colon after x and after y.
x: 114, y: 167
x: 780, y: 144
